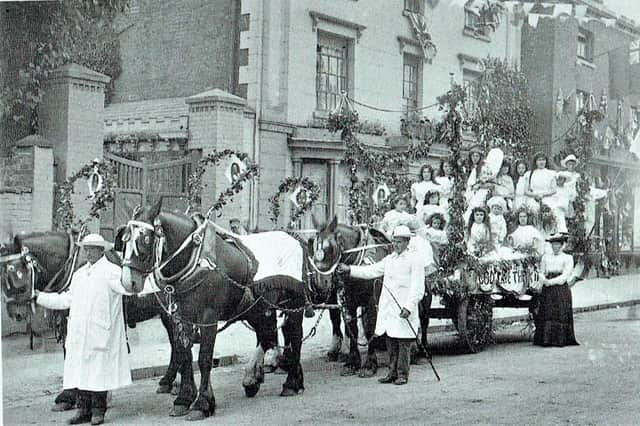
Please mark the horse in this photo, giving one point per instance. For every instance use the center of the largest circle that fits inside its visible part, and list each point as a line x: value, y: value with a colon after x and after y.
x: 210, y: 278
x: 44, y: 261
x: 327, y: 249
x: 337, y: 243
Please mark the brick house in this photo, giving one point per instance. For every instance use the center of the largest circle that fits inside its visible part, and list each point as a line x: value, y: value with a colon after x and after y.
x: 569, y: 54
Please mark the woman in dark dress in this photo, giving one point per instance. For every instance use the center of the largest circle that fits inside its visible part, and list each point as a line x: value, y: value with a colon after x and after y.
x: 554, y: 321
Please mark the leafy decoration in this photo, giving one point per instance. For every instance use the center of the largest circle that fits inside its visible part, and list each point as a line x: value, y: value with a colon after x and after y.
x: 195, y: 180
x: 65, y: 218
x: 311, y: 189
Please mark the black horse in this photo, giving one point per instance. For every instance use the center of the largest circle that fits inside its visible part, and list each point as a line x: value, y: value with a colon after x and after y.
x: 328, y: 249
x: 209, y: 278
x: 336, y: 243
x: 44, y: 260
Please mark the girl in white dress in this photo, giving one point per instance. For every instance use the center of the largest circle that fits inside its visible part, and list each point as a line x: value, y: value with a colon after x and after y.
x: 541, y: 183
x: 522, y: 180
x: 504, y: 184
x: 432, y: 206
x: 445, y: 180
x: 433, y: 232
x: 479, y: 186
x: 559, y: 202
x: 397, y: 216
x: 526, y: 238
x: 570, y: 162
x: 476, y: 154
x: 419, y: 189
x: 498, y: 207
x: 479, y: 233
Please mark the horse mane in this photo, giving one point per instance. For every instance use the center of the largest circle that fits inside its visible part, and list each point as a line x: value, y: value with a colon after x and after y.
x: 51, y: 248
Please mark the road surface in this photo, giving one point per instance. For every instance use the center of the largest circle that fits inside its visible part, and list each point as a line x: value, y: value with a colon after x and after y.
x: 512, y: 382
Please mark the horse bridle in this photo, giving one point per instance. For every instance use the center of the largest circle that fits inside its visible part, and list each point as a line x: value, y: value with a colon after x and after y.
x: 32, y: 266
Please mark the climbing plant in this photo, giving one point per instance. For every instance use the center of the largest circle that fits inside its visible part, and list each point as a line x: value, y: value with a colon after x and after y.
x: 287, y: 185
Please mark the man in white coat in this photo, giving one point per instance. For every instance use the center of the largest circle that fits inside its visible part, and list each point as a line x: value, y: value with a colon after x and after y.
x: 97, y: 360
x: 403, y: 288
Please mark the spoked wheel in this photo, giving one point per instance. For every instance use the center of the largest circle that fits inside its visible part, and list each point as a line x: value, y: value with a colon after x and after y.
x: 475, y: 321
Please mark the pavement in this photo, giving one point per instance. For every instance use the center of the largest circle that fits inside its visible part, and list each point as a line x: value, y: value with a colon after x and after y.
x: 42, y: 367
x: 510, y: 383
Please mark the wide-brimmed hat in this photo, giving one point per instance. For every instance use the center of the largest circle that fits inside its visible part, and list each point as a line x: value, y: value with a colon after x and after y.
x: 568, y: 158
x: 558, y: 237
x: 497, y: 201
x: 402, y: 231
x: 95, y: 240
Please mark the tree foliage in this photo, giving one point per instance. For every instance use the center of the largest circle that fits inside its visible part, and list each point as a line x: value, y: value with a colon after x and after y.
x: 41, y: 36
x: 501, y: 115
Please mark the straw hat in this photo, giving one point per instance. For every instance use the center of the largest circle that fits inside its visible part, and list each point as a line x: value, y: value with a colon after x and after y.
x: 568, y: 158
x: 95, y: 240
x: 557, y: 237
x: 402, y: 231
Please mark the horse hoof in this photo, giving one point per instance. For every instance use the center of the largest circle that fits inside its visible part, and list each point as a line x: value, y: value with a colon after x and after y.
x: 291, y: 392
x: 195, y: 415
x: 365, y: 373
x: 164, y: 389
x: 251, y: 390
x: 179, y: 411
x: 347, y: 370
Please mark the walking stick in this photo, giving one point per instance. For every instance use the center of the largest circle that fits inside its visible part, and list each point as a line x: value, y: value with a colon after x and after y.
x: 418, y: 342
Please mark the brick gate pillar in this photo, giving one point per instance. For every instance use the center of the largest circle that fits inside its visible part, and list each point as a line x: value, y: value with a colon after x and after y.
x: 216, y: 121
x: 71, y: 117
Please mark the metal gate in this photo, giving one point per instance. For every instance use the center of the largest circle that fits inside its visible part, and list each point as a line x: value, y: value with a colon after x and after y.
x: 142, y: 183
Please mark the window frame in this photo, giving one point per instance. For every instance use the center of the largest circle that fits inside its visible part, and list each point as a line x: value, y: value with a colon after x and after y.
x: 634, y: 52
x: 469, y: 85
x: 408, y: 102
x: 587, y: 36
x: 329, y: 42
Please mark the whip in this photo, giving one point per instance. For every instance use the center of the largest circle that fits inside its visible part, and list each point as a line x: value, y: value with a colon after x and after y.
x: 418, y: 342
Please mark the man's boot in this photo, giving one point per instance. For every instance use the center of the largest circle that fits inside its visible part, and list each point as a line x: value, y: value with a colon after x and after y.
x: 66, y: 400
x: 83, y: 415
x: 98, y: 407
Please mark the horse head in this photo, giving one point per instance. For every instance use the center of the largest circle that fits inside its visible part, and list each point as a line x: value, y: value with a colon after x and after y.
x: 29, y: 264
x: 148, y: 238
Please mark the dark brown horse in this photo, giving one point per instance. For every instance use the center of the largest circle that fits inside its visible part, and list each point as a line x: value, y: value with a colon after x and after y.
x: 207, y: 277
x: 327, y: 250
x: 336, y: 243
x: 44, y: 259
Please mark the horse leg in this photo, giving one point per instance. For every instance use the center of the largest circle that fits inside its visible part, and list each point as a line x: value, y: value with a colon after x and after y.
x: 184, y: 359
x: 292, y: 330
x: 351, y: 327
x: 370, y: 366
x: 265, y: 324
x: 336, y: 340
x: 166, y: 383
x: 205, y: 404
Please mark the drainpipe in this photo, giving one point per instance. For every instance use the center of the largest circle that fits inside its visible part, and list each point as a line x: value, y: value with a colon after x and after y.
x: 255, y: 193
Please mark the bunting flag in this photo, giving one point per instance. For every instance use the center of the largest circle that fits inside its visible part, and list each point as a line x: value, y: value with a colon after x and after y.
x: 634, y: 147
x: 591, y: 103
x: 559, y: 104
x: 419, y: 25
x: 604, y: 102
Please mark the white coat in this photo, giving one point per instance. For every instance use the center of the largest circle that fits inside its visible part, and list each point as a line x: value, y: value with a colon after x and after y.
x: 97, y: 358
x: 404, y: 278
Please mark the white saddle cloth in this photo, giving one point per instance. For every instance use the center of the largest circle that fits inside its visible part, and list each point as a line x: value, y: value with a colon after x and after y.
x: 277, y: 253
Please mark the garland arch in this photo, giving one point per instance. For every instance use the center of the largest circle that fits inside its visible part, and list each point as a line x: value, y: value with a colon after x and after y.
x: 195, y: 180
x: 101, y: 180
x: 288, y: 184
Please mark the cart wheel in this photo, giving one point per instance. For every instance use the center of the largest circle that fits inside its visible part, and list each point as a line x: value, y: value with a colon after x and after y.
x: 475, y: 321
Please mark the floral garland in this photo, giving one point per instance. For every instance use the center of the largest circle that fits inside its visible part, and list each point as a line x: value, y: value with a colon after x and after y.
x: 311, y: 189
x: 195, y: 185
x: 101, y: 198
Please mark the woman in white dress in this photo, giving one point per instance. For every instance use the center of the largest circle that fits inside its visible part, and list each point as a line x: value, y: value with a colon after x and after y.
x: 541, y: 183
x: 427, y: 182
x: 504, y: 185
x: 522, y: 180
x: 526, y: 238
x: 559, y: 202
x: 445, y: 180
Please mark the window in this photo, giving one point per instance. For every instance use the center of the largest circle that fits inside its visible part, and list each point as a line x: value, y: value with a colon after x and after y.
x: 331, y: 71
x: 634, y: 52
x: 581, y: 100
x: 635, y: 117
x: 413, y: 6
x: 410, y: 83
x: 469, y: 84
x: 585, y: 45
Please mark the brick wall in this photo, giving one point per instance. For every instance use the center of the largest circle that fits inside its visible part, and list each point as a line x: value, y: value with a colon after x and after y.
x: 178, y: 48
x: 275, y: 164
